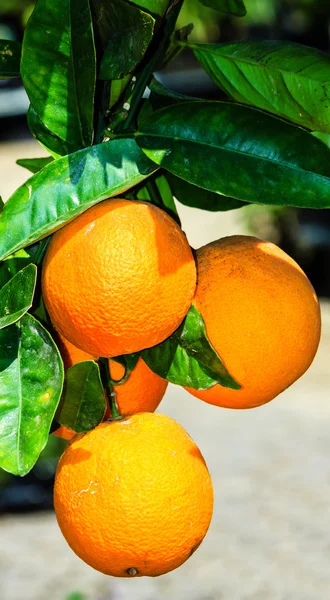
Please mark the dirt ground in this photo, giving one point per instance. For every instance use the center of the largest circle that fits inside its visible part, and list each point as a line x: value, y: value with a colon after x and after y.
x: 270, y: 534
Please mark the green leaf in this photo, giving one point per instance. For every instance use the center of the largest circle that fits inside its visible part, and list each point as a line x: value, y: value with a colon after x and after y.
x: 191, y: 195
x: 157, y: 190
x: 187, y: 358
x: 239, y: 152
x: 174, y: 49
x: 324, y: 137
x: 51, y: 142
x: 21, y: 259
x: 15, y: 263
x: 129, y: 32
x: 160, y: 96
x: 30, y: 387
x: 117, y: 87
x: 10, y: 56
x: 34, y: 164
x: 83, y: 402
x: 67, y: 187
x: 283, y: 78
x: 155, y: 7
x: 58, y: 68
x: 157, y: 88
x: 230, y: 7
x: 145, y: 111
x: 16, y: 296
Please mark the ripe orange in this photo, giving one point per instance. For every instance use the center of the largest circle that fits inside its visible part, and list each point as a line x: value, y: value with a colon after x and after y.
x: 143, y: 390
x: 71, y: 355
x: 133, y: 497
x: 118, y: 278
x: 261, y: 315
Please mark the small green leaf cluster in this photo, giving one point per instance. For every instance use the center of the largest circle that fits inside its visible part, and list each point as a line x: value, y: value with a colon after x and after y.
x: 111, y: 129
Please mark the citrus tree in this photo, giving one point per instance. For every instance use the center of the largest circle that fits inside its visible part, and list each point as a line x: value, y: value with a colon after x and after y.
x: 95, y: 265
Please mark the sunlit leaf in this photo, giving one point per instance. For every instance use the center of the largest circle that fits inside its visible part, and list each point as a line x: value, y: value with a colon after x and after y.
x: 187, y: 357
x: 31, y: 377
x: 283, y: 78
x: 16, y: 295
x: 58, y: 68
x: 67, y: 187
x: 34, y: 164
x: 51, y: 142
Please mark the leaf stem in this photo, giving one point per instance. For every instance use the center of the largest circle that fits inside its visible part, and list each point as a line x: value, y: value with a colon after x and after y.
x: 111, y: 394
x: 154, y: 193
x: 41, y: 250
x: 111, y: 135
x: 157, y: 48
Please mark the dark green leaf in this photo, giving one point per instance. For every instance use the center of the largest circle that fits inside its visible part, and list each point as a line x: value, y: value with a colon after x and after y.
x: 155, y: 7
x: 58, y: 68
x: 187, y: 357
x: 174, y: 49
x: 191, y: 195
x: 324, y: 137
x: 16, y: 296
x: 34, y: 164
x: 17, y: 261
x: 30, y: 387
x: 239, y: 152
x: 83, y: 402
x: 13, y: 264
x: 156, y: 190
x: 51, y: 142
x: 1, y: 204
x: 157, y: 88
x: 145, y: 111
x: 160, y: 96
x: 10, y: 56
x: 230, y: 7
x: 67, y: 187
x: 129, y: 32
x: 283, y: 78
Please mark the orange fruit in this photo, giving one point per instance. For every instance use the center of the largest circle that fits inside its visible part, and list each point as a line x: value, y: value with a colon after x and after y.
x: 65, y: 433
x: 118, y: 278
x: 141, y: 392
x: 261, y: 314
x: 133, y: 497
x: 71, y: 355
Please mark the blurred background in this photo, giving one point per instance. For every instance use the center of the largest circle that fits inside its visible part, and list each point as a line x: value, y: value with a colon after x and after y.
x: 270, y: 535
